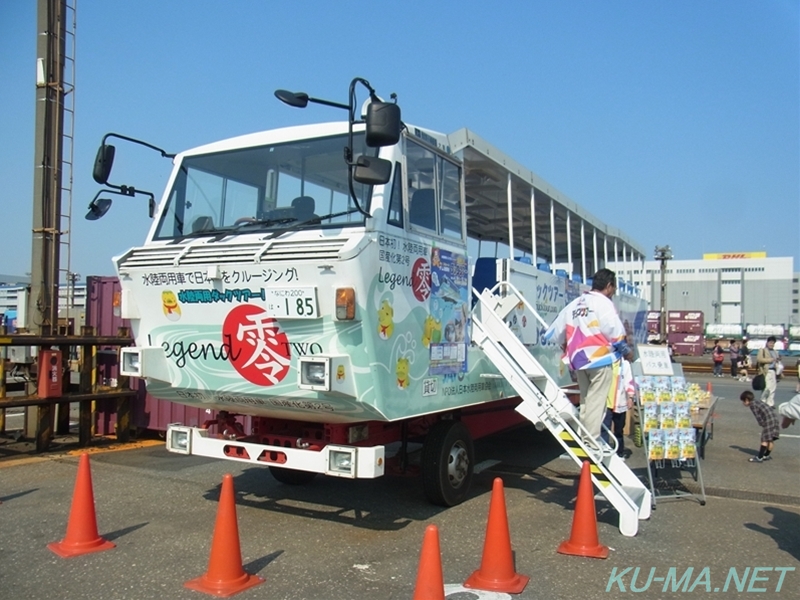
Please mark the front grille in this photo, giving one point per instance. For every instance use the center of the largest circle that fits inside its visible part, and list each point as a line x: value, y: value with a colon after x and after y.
x: 233, y: 253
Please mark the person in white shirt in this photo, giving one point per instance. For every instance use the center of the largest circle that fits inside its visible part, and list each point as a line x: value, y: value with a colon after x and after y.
x: 593, y: 338
x: 620, y: 401
x: 767, y: 360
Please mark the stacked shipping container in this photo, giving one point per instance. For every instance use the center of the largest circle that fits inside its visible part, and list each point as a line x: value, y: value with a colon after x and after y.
x: 684, y: 330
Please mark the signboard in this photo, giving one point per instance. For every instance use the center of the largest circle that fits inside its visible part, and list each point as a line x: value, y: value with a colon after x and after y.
x: 730, y: 255
x: 654, y: 359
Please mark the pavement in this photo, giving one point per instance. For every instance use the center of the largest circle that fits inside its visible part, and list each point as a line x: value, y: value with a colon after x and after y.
x: 338, y: 539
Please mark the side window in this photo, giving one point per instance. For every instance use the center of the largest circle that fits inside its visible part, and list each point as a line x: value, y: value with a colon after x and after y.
x: 434, y: 191
x: 449, y: 199
x: 395, y: 216
x: 422, y: 208
x: 421, y: 164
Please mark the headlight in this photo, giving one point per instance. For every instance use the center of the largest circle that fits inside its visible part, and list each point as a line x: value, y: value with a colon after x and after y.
x: 179, y: 441
x: 131, y: 363
x: 342, y: 462
x: 314, y: 374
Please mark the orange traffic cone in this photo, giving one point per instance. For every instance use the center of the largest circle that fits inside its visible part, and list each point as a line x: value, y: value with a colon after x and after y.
x: 708, y: 388
x: 430, y: 581
x: 583, y: 540
x: 225, y: 576
x: 82, y: 536
x: 496, y: 573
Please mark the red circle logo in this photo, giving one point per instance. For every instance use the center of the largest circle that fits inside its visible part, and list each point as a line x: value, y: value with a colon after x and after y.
x: 421, y: 279
x: 259, y: 350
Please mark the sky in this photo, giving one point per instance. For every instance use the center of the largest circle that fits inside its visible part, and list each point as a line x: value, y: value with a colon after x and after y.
x: 676, y: 122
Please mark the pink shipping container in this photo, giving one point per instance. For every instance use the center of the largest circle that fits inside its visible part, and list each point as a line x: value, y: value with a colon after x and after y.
x: 687, y: 344
x: 685, y: 327
x: 103, y: 313
x: 653, y: 321
x: 685, y: 321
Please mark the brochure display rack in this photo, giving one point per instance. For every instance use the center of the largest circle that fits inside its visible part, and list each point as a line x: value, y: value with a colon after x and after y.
x: 675, y: 419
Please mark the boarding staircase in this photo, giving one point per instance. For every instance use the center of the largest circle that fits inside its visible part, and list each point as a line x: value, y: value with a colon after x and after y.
x: 544, y: 403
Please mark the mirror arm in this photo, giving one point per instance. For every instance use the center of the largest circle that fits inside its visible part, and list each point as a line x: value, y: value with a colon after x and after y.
x: 328, y: 103
x: 348, y: 151
x: 163, y: 153
x: 125, y: 190
x: 110, y: 191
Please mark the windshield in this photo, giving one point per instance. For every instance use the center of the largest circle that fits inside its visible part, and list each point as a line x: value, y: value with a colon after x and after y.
x: 300, y: 184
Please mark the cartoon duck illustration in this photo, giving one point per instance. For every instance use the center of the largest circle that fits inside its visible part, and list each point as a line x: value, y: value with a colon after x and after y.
x: 340, y: 373
x: 431, y: 331
x: 170, y: 306
x: 403, y: 367
x: 385, y: 323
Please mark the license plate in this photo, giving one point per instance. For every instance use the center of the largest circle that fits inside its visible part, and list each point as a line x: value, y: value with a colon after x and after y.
x: 293, y: 303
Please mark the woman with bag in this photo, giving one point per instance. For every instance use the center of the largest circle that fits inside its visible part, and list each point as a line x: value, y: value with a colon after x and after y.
x: 733, y: 350
x: 767, y: 361
x: 718, y: 356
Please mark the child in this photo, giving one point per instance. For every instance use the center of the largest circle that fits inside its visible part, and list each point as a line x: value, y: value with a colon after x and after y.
x: 620, y: 400
x: 768, y: 419
x: 744, y: 363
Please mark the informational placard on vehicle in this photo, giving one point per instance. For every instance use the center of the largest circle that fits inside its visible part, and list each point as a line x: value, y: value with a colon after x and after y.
x: 292, y: 303
x: 654, y: 359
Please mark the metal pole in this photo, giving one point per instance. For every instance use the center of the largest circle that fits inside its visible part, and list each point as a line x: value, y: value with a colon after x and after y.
x: 43, y: 300
x: 663, y: 254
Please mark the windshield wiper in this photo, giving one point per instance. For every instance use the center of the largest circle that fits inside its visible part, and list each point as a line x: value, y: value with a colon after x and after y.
x: 194, y: 234
x: 261, y: 222
x: 282, y: 230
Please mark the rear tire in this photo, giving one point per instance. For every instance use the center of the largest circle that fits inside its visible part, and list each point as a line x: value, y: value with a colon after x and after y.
x: 448, y: 460
x: 292, y: 476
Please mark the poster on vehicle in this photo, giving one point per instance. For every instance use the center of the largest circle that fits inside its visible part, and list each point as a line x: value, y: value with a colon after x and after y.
x: 449, y: 305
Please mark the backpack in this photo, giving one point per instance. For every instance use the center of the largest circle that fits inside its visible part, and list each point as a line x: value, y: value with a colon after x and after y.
x: 759, y: 383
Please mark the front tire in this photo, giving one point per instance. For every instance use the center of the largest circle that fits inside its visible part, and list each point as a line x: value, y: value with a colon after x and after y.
x: 448, y: 461
x: 292, y: 476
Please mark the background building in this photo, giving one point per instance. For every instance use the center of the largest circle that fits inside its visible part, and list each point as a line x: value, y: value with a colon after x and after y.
x: 743, y: 288
x: 14, y: 292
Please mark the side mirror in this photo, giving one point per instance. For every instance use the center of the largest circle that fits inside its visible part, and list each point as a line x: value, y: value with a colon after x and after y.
x: 372, y: 171
x: 151, y: 206
x: 98, y: 208
x: 383, y: 124
x: 103, y: 163
x: 296, y: 99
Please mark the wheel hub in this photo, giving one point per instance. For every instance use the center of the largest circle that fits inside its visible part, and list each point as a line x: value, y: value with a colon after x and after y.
x: 457, y: 465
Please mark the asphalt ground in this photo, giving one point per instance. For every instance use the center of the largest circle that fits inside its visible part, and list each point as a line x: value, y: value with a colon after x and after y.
x: 338, y: 540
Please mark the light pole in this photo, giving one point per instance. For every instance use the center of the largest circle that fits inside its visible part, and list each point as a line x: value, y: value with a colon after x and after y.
x: 663, y: 254
x: 73, y: 278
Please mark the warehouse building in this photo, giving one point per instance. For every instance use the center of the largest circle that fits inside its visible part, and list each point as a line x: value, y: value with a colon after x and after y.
x: 746, y: 287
